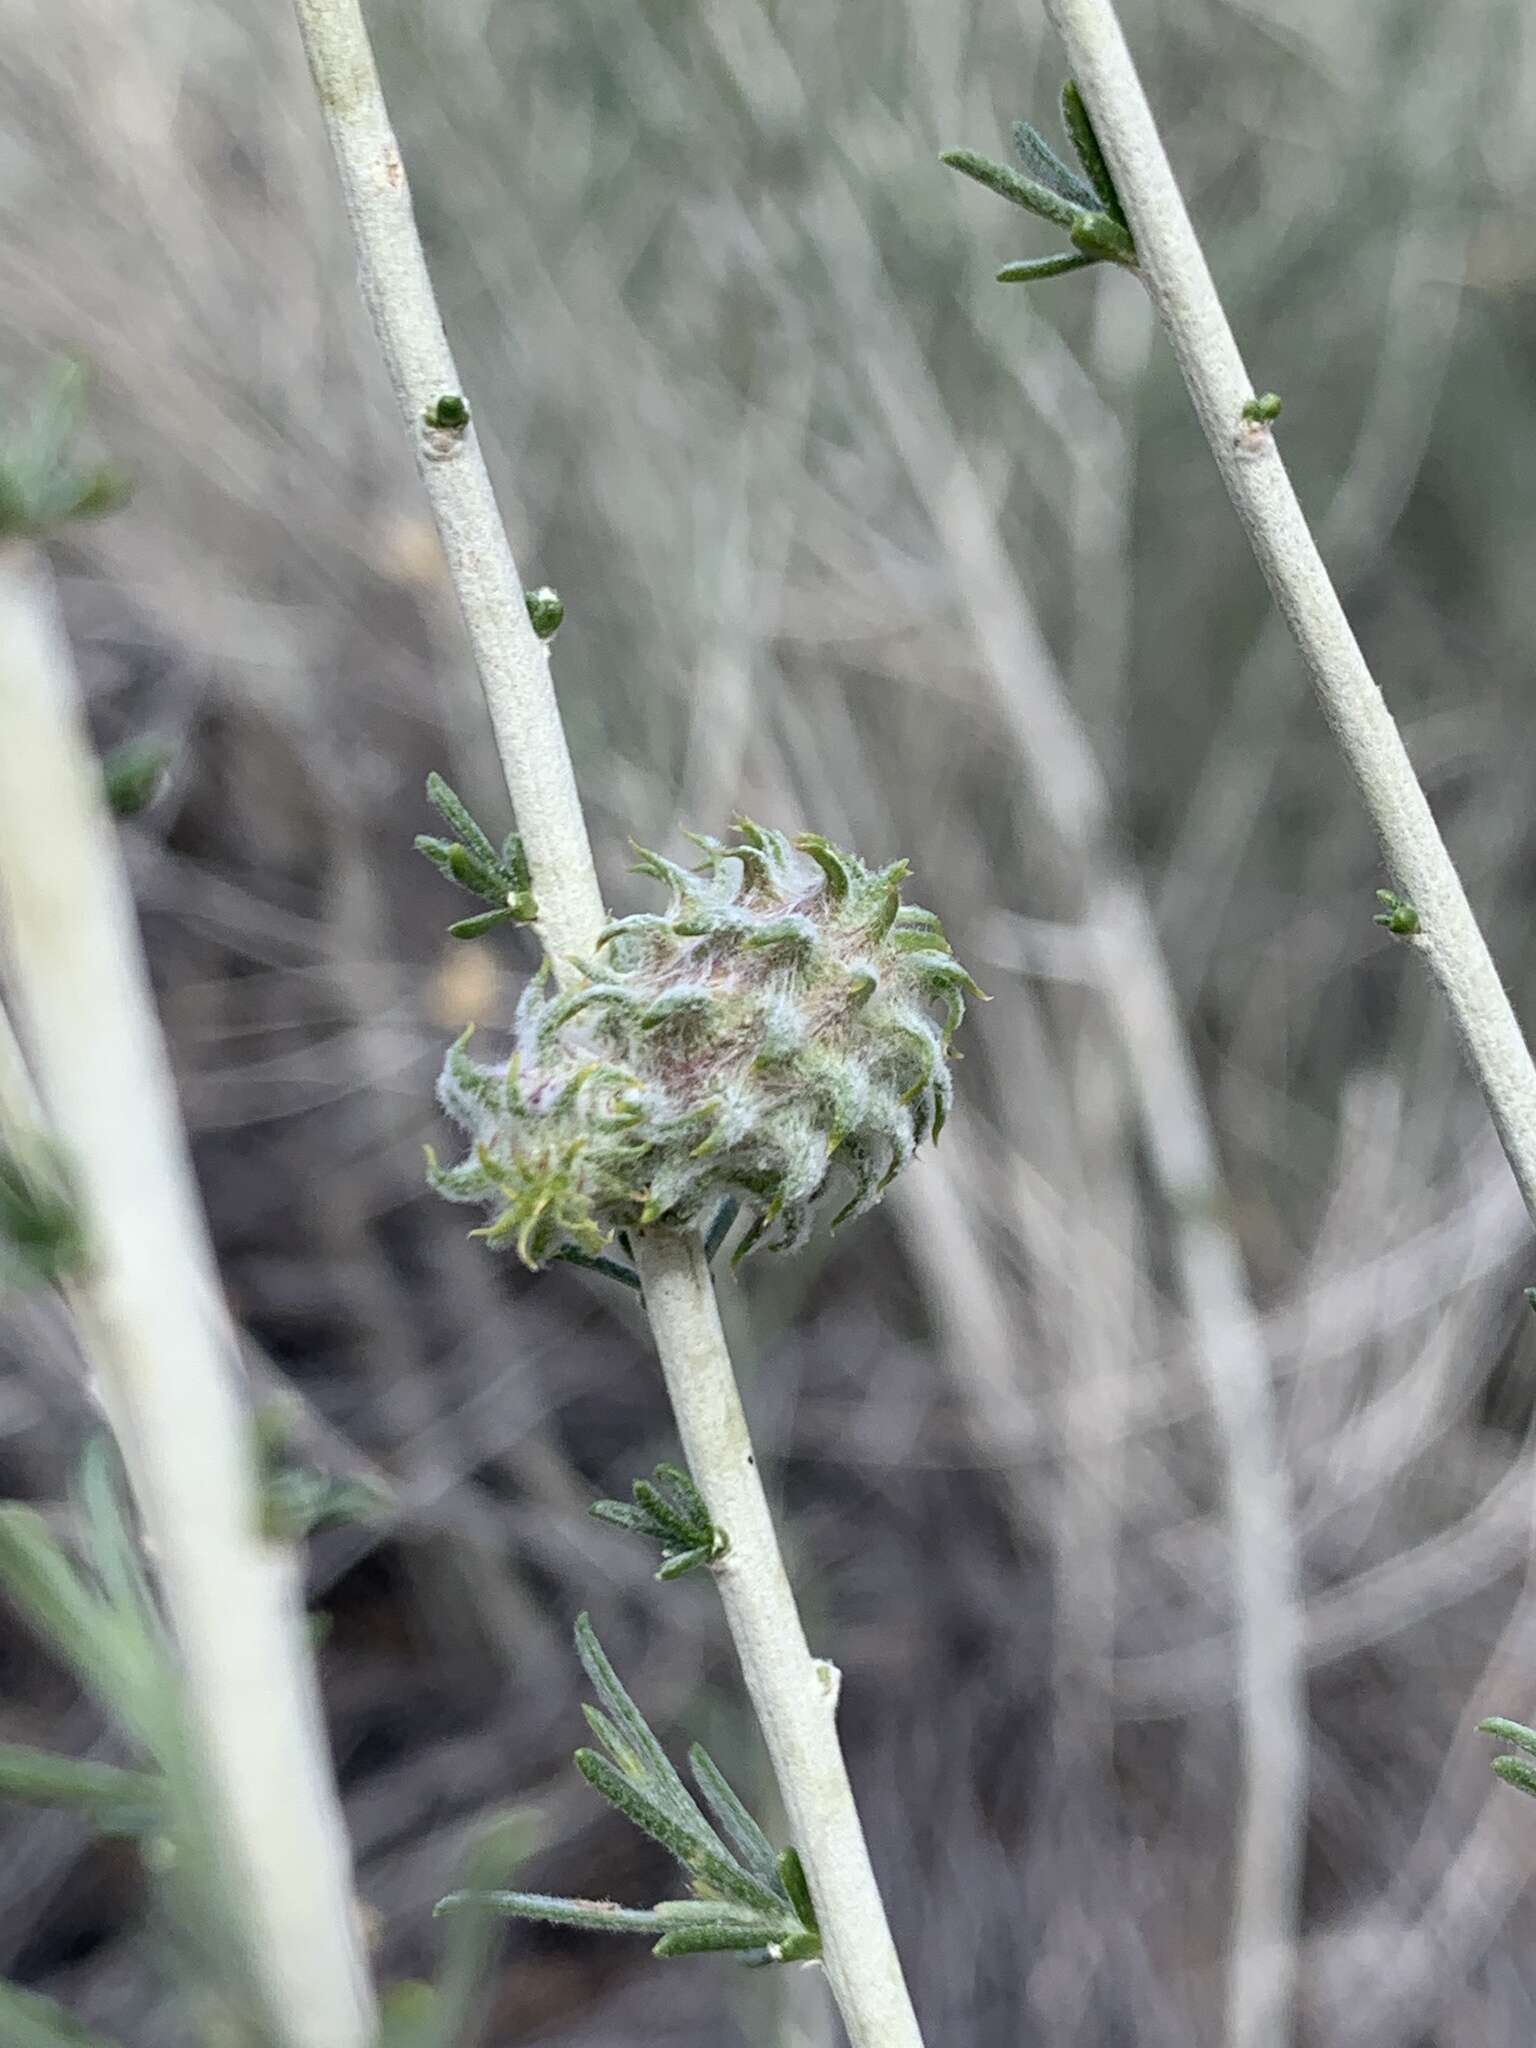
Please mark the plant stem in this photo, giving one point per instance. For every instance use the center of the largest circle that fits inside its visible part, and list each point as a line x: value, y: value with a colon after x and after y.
x: 787, y: 1689
x: 795, y: 1697
x: 513, y: 662
x: 158, y: 1337
x: 1254, y: 474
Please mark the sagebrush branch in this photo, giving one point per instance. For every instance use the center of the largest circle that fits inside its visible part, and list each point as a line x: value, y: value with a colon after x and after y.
x: 1431, y: 912
x: 1171, y: 260
x: 787, y: 1686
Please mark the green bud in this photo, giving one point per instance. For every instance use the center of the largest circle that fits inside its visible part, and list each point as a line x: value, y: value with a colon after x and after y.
x: 546, y: 609
x: 448, y: 414
x: 1397, y: 915
x: 1263, y: 411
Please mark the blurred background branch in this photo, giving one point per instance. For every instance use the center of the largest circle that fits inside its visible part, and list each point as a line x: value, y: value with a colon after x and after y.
x: 157, y: 1340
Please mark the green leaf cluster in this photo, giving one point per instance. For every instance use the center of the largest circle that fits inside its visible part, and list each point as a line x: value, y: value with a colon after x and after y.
x: 670, y: 1510
x: 470, y: 859
x: 1085, y: 204
x: 96, y: 1612
x: 42, y: 483
x: 747, y: 1898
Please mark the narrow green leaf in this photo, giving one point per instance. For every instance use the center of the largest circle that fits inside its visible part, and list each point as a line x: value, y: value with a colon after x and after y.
x: 1042, y: 163
x: 708, y: 1940
x: 1009, y: 184
x: 680, y: 1562
x: 718, y: 1913
x: 664, y: 1783
x: 697, y: 1849
x: 514, y: 862
x: 684, y: 1532
x: 1514, y: 1770
x: 621, y: 1515
x: 477, y: 926
x: 1079, y: 126
x: 454, y: 813
x: 792, y: 1876
x: 628, y: 1761
x: 1514, y: 1732
x: 704, y: 1927
x: 634, y: 1800
x: 680, y: 1483
x: 1032, y: 269
x: 40, y: 1777
x: 475, y: 875
x: 601, y: 1915
x: 832, y: 862
x: 438, y: 851
x: 110, y: 1657
x: 756, y: 1852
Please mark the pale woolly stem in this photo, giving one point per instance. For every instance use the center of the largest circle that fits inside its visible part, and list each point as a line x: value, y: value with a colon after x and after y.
x: 795, y: 1695
x: 1175, y: 270
x: 159, y: 1340
x: 788, y: 1688
x: 512, y: 661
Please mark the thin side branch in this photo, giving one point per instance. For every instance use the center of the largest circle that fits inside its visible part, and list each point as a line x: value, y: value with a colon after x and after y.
x: 786, y: 1686
x: 1234, y: 1361
x: 158, y: 1337
x: 1255, y: 476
